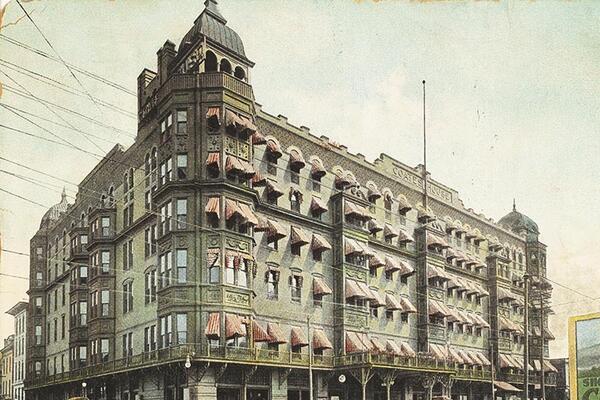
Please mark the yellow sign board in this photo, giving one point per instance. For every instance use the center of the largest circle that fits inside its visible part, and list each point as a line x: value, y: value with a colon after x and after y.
x: 584, y: 357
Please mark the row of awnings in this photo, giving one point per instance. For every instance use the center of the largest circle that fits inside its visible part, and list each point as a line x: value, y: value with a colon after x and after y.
x: 232, y: 208
x: 236, y: 326
x: 466, y: 259
x: 357, y: 342
x: 389, y: 232
x: 505, y: 324
x: 516, y: 361
x: 360, y: 290
x: 460, y: 356
x: 455, y: 282
x: 436, y: 242
x: 455, y: 315
x: 356, y: 211
x: 237, y: 122
x: 233, y: 165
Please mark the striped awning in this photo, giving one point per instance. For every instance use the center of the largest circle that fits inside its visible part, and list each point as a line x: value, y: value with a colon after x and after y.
x: 377, y: 300
x: 275, y: 231
x: 258, y: 180
x: 213, y: 206
x: 232, y: 209
x: 437, y: 272
x: 213, y: 160
x: 273, y: 190
x: 403, y: 204
x: 296, y: 160
x: 366, y: 290
x: 504, y: 294
x: 298, y: 236
x: 317, y: 206
x: 392, y: 348
x: 297, y: 337
x: 273, y: 148
x: 407, y: 350
x: 248, y: 214
x: 341, y: 179
x: 474, y: 357
x: 234, y: 326
x: 455, y: 316
x: 437, y: 308
x: 466, y: 357
x: 455, y: 356
x: 504, y: 324
x: 376, y: 346
x: 373, y: 193
x: 391, y: 303
x: 391, y: 264
x: 404, y: 237
x: 438, y: 351
x: 506, y: 387
x: 484, y: 360
x: 259, y: 334
x: 233, y: 165
x: 319, y: 243
x: 317, y: 170
x: 248, y: 170
x: 407, y: 306
x: 320, y: 341
x: 233, y: 120
x: 354, y: 344
x: 374, y: 226
x: 320, y: 288
x: 354, y: 209
x: 405, y: 269
x: 436, y: 242
x: 353, y: 290
x: 258, y: 138
x: 276, y: 336
x: 451, y: 254
x: 389, y: 231
x: 352, y: 246
x: 213, y: 115
x: 213, y: 325
x: 375, y: 261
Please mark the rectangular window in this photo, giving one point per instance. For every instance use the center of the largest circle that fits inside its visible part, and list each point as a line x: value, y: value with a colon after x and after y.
x: 166, y: 214
x: 181, y: 328
x: 164, y: 261
x: 166, y: 331
x: 105, y: 262
x: 83, y: 274
x: 62, y: 326
x: 181, y: 257
x: 104, y: 350
x: 150, y: 286
x: 296, y: 287
x: 38, y: 334
x: 272, y: 284
x: 166, y: 171
x: 182, y: 122
x: 82, y: 356
x: 181, y: 210
x: 94, y: 304
x: 182, y: 166
x: 104, y: 303
x: 127, y: 297
x: 105, y: 226
x: 83, y: 313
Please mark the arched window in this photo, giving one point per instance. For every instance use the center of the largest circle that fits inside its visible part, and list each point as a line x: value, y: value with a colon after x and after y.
x: 225, y: 66
x: 239, y: 73
x: 210, y: 62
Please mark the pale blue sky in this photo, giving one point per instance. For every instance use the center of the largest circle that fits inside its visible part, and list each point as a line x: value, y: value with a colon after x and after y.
x: 512, y: 101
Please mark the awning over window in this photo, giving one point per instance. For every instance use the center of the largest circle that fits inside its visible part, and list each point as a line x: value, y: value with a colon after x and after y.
x: 354, y: 344
x: 352, y: 246
x: 258, y: 138
x: 232, y: 209
x: 341, y: 179
x: 263, y: 224
x: 480, y: 321
x: 374, y: 226
x: 213, y: 206
x: 317, y: 170
x: 354, y: 209
x: 320, y: 341
x: 259, y: 334
x: 450, y: 254
x: 453, y: 282
x: 405, y: 269
x: 436, y: 242
x: 373, y: 193
x: 403, y: 204
x: 319, y: 243
x: 298, y: 338
x: 439, y: 309
x: 366, y: 290
x: 455, y: 356
x: 376, y: 346
x: 353, y: 290
x: 391, y: 303
x: 248, y: 170
x: 213, y: 115
x: 389, y: 232
x: 504, y: 294
x: 248, y: 126
x: 377, y: 300
x: 438, y: 351
x: 455, y: 316
x: 376, y: 261
x: 484, y: 360
x: 391, y: 264
x: 548, y: 367
x: 213, y: 325
x: 407, y: 306
x: 467, y: 358
x: 258, y: 180
x: 437, y: 272
x: 233, y: 165
x: 506, y: 387
x: 298, y: 236
x: 296, y: 160
x: 248, y: 214
x: 320, y: 288
x: 273, y: 148
x: 504, y: 324
x: 233, y: 120
x: 424, y: 214
x: 275, y: 231
x: 404, y: 237
x: 273, y: 190
x: 275, y: 333
x: 317, y: 206
x: 213, y: 161
x: 407, y: 350
x: 506, y: 362
x: 392, y: 348
x: 234, y: 326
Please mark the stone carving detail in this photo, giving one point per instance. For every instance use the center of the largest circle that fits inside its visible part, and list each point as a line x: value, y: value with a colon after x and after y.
x: 354, y: 274
x: 212, y: 296
x: 236, y: 244
x: 244, y: 151
x: 355, y: 320
x: 230, y: 146
x: 213, y: 143
x: 213, y: 241
x: 181, y: 241
x: 436, y: 294
x: 237, y: 298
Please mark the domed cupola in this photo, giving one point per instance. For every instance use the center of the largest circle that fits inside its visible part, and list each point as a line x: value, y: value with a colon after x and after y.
x: 209, y: 38
x: 54, y: 212
x: 520, y: 224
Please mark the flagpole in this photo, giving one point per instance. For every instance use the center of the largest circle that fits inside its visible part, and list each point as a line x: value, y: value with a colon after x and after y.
x: 425, y: 200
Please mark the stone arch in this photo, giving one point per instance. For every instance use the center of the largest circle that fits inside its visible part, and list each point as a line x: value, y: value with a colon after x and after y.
x: 225, y: 66
x: 210, y: 62
x: 239, y: 73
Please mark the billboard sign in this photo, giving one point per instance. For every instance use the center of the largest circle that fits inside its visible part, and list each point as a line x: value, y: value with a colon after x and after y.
x: 584, y: 357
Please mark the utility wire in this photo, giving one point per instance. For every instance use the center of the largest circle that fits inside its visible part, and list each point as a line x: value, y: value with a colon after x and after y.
x: 75, y: 68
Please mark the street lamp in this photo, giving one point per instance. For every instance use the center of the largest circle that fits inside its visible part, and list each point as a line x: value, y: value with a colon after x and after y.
x: 188, y: 362
x: 84, y: 388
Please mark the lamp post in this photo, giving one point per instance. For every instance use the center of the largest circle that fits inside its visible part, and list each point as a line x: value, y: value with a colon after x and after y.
x: 84, y: 388
x: 526, y: 277
x: 310, y: 373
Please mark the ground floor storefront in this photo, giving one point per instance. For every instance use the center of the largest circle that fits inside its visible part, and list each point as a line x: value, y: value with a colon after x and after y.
x: 221, y: 381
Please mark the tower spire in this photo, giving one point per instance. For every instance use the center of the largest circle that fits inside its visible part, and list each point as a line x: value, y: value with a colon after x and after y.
x: 514, y: 205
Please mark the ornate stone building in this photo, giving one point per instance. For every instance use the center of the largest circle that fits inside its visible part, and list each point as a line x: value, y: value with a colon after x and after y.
x: 227, y: 253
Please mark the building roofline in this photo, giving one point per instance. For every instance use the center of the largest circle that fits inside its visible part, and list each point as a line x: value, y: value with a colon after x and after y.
x: 17, y: 308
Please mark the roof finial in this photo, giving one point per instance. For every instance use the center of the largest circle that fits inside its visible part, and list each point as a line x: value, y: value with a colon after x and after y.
x: 211, y: 8
x: 514, y: 205
x: 63, y: 196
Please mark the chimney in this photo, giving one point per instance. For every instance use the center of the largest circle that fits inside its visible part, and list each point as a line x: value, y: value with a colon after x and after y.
x: 165, y: 55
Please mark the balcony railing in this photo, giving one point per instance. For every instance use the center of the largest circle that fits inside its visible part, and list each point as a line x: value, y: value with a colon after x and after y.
x: 200, y: 352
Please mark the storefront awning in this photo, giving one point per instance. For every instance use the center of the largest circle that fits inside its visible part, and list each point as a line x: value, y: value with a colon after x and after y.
x: 506, y: 387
